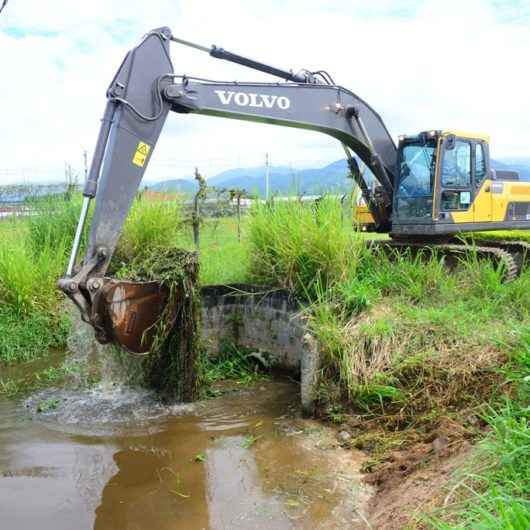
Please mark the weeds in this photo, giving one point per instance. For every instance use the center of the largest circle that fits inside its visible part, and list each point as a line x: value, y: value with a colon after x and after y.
x: 301, y: 246
x: 233, y: 364
x: 30, y: 321
x: 23, y: 338
x: 493, y: 492
x: 53, y: 223
x: 48, y: 405
x: 149, y: 225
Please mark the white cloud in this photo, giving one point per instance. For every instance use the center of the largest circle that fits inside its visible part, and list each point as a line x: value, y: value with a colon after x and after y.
x: 420, y: 64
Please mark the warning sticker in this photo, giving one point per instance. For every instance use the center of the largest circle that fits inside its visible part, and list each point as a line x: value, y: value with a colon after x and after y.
x: 141, y: 153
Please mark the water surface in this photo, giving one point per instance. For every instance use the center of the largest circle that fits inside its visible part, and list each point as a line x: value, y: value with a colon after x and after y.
x: 115, y: 458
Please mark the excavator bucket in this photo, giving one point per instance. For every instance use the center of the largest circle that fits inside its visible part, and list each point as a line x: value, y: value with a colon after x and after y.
x: 128, y: 313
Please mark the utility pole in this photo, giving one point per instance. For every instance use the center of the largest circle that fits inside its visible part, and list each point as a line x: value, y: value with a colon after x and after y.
x: 85, y: 158
x: 267, y: 177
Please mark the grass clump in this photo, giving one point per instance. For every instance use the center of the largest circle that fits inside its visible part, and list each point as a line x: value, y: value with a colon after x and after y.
x: 149, y: 225
x: 53, y: 223
x: 32, y: 256
x: 302, y: 247
x: 26, y: 337
x: 233, y: 364
x: 28, y: 278
x: 403, y: 321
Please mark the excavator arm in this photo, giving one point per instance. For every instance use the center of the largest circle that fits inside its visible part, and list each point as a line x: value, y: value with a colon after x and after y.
x: 139, y: 99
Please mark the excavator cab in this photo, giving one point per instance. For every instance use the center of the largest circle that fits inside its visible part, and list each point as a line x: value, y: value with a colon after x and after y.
x: 445, y: 185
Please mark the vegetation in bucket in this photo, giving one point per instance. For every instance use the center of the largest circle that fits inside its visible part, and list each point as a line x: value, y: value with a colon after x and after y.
x: 173, y: 364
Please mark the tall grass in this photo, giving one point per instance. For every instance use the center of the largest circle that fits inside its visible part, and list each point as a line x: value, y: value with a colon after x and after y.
x: 150, y: 224
x: 33, y: 253
x: 54, y: 222
x: 300, y: 246
x: 27, y: 278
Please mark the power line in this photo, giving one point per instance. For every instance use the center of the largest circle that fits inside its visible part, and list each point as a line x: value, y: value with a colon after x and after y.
x: 4, y: 3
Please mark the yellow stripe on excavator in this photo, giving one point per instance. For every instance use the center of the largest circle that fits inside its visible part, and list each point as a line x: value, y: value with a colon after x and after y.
x: 467, y: 134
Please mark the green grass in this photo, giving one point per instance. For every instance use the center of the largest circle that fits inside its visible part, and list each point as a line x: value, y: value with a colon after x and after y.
x: 23, y: 338
x: 302, y: 247
x: 223, y: 259
x: 149, y: 225
x: 233, y: 364
x: 32, y: 257
x: 53, y: 224
x: 522, y: 235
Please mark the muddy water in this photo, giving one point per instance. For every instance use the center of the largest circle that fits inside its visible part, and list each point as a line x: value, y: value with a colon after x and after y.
x: 116, y: 459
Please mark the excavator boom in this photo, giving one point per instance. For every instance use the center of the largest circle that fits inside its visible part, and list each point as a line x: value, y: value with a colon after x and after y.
x: 139, y: 99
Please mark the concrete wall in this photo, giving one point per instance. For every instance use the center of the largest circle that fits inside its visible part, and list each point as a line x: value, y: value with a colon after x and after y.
x: 268, y: 321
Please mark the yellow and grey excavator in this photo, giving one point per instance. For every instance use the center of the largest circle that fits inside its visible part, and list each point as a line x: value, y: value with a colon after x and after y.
x: 429, y: 188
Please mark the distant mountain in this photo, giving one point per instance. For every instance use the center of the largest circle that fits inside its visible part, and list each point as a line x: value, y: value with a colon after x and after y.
x: 285, y: 180
x: 224, y: 178
x: 519, y: 164
x: 188, y: 187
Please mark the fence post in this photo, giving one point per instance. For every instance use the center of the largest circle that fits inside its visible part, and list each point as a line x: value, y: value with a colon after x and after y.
x: 196, y: 214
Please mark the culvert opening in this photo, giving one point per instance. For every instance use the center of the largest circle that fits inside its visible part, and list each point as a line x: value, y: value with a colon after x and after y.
x: 268, y: 325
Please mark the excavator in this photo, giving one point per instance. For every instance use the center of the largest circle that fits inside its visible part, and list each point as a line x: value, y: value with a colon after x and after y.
x: 425, y: 191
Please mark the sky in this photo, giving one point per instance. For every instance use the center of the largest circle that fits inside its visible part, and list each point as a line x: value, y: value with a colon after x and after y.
x: 421, y: 64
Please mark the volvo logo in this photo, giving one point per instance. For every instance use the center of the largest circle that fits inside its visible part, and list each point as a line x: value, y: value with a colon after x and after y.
x: 244, y: 99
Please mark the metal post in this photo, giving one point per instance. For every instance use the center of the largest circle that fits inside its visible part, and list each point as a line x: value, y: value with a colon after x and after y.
x: 85, y: 158
x: 78, y: 235
x: 267, y: 177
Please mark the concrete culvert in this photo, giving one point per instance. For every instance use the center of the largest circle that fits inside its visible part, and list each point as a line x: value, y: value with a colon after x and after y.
x: 267, y: 320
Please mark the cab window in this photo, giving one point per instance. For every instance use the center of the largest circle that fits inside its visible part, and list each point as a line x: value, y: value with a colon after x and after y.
x: 456, y: 166
x: 480, y: 164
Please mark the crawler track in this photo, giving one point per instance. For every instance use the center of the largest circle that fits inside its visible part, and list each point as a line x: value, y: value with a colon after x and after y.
x: 520, y: 250
x: 511, y: 255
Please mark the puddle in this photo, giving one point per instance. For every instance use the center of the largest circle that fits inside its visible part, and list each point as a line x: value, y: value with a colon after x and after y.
x: 115, y: 458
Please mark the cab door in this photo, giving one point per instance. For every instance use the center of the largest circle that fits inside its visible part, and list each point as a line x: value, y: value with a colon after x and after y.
x: 456, y: 180
x: 482, y: 202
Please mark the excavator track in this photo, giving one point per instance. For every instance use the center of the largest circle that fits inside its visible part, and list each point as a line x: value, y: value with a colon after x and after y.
x: 520, y: 250
x: 495, y: 252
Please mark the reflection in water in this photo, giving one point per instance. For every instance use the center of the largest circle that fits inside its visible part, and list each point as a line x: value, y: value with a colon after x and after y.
x: 239, y: 461
x: 235, y: 496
